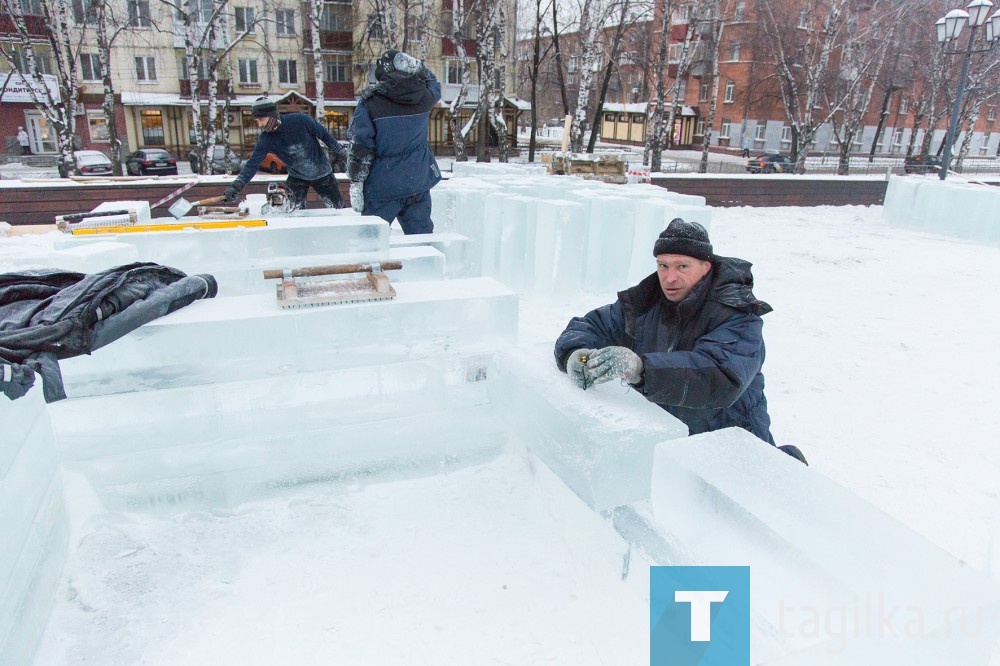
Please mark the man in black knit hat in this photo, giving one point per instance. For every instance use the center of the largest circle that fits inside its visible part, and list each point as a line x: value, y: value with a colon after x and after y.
x: 689, y: 338
x: 293, y: 137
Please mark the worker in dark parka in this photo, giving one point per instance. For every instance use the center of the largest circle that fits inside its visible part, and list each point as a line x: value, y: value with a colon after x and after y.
x: 688, y: 337
x: 391, y: 166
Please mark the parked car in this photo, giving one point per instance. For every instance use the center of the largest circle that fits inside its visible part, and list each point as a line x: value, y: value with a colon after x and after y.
x: 92, y: 163
x: 218, y: 161
x: 151, y: 162
x: 273, y: 164
x: 770, y: 164
x: 922, y: 164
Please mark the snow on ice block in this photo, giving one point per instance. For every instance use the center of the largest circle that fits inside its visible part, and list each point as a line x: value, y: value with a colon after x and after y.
x: 93, y: 257
x: 242, y: 337
x: 599, y: 441
x: 32, y: 524
x: 456, y: 249
x: 833, y: 579
x: 358, y: 239
x: 141, y: 209
x: 494, y: 169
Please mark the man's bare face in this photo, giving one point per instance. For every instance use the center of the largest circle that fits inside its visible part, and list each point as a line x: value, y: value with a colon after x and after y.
x: 679, y: 274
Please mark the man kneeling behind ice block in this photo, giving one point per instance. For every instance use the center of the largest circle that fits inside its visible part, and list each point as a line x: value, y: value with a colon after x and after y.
x: 688, y: 337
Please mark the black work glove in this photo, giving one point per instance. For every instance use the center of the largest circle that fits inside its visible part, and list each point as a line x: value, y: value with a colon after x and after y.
x: 232, y: 192
x: 339, y: 163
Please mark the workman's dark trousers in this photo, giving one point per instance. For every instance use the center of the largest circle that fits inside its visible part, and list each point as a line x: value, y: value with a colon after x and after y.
x: 413, y: 213
x: 325, y: 187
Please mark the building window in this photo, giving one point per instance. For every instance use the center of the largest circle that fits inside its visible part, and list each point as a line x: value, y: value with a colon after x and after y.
x: 983, y: 149
x: 573, y: 64
x: 138, y: 14
x: 991, y: 113
x: 682, y: 13
x: 804, y: 17
x: 727, y: 124
x: 287, y: 72
x: 284, y: 21
x: 734, y: 50
x: 152, y: 128
x: 98, y: 126
x: 202, y: 69
x: 41, y: 63
x: 674, y: 53
x: 245, y: 18
x: 374, y: 28
x: 333, y: 19
x: 31, y: 7
x: 759, y: 131
x: 248, y: 71
x: 415, y: 28
x: 699, y: 127
x: 703, y: 92
x: 337, y: 68
x: 739, y: 11
x: 682, y: 88
x: 627, y: 58
x: 453, y: 71
x: 897, y: 140
x: 730, y: 91
x: 145, y: 68
x: 85, y: 12
x: 904, y: 106
x: 786, y: 136
x: 90, y: 67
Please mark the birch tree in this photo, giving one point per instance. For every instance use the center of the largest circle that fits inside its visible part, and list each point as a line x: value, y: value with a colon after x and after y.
x: 541, y: 8
x: 593, y: 15
x: 491, y: 54
x: 861, y: 62
x: 204, y: 27
x: 315, y: 18
x: 614, y: 52
x: 714, y: 23
x: 653, y: 152
x: 59, y: 113
x: 801, y: 49
x: 462, y: 13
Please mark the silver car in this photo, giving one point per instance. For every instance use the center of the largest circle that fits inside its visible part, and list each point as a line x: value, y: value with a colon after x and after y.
x: 218, y: 161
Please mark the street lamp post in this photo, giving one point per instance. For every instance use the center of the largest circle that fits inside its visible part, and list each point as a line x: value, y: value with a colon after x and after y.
x: 948, y: 29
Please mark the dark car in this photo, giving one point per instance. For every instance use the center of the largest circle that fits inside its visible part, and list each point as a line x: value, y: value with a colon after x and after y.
x: 770, y: 164
x: 273, y: 164
x: 218, y: 161
x: 92, y: 163
x: 151, y: 162
x: 922, y: 164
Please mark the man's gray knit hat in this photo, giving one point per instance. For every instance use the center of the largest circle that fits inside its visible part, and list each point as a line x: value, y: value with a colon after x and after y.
x: 687, y: 238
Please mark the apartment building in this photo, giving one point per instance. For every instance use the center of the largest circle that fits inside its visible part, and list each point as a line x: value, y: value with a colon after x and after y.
x: 262, y: 47
x: 748, y: 105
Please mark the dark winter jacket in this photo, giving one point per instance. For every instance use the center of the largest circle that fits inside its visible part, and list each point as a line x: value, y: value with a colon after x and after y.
x: 389, y: 150
x: 46, y: 315
x: 702, y: 357
x: 296, y: 142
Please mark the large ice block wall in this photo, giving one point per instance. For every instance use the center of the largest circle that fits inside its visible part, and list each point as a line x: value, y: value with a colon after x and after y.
x: 953, y: 207
x: 33, y: 526
x: 550, y: 236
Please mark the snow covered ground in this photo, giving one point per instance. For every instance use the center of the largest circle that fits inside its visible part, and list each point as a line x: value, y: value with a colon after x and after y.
x: 881, y: 367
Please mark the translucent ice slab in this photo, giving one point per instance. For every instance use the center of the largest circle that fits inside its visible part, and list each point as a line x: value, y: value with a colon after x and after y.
x: 834, y: 580
x: 33, y: 525
x: 599, y: 442
x: 456, y: 249
x: 205, y: 250
x: 243, y: 337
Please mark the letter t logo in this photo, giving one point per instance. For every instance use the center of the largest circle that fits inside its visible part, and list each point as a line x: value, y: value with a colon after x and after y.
x: 701, y: 610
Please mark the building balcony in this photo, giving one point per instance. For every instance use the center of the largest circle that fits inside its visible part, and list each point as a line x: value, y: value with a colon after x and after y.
x: 185, y: 86
x: 36, y: 26
x: 332, y: 90
x: 448, y: 49
x: 329, y: 40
